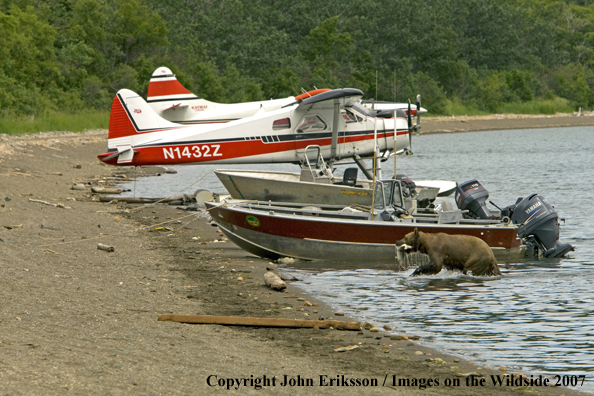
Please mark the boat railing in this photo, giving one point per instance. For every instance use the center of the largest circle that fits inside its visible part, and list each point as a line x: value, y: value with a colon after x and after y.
x: 435, y: 220
x: 319, y: 172
x: 329, y: 211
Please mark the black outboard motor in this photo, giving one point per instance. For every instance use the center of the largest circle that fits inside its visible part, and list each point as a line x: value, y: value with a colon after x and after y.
x: 471, y: 196
x: 538, y: 218
x: 408, y: 186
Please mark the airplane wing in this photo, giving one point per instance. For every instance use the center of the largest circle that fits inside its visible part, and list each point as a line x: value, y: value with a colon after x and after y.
x: 334, y: 99
x: 346, y: 96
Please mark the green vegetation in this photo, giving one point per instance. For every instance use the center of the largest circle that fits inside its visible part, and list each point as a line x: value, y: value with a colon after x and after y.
x: 464, y: 56
x: 54, y: 121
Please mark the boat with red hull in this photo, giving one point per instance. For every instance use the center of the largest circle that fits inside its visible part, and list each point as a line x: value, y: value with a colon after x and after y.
x: 322, y: 233
x: 357, y: 233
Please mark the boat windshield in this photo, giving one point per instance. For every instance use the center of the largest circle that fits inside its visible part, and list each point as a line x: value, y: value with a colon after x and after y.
x: 379, y: 196
x: 397, y: 195
x: 393, y: 193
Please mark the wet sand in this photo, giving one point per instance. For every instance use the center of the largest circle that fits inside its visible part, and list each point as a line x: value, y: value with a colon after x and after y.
x: 79, y: 320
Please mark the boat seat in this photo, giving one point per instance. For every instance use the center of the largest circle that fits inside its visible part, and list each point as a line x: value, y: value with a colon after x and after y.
x: 447, y: 206
x: 450, y: 217
x: 306, y: 175
x: 349, y: 178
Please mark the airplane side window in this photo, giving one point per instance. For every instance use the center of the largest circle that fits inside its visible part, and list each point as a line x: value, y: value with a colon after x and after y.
x: 311, y: 123
x: 283, y: 123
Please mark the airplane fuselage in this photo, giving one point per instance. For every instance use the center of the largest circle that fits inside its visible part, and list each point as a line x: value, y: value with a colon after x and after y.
x: 278, y: 136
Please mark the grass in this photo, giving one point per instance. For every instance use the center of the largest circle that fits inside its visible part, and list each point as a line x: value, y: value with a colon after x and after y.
x: 553, y: 106
x: 457, y: 108
x: 53, y: 122
x: 549, y: 106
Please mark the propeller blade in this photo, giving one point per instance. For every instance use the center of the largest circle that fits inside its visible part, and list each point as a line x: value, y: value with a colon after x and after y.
x: 409, y: 117
x: 410, y: 128
x: 418, y: 128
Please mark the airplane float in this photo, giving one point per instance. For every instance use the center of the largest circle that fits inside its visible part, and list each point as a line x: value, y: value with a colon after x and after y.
x: 172, y: 101
x: 334, y: 120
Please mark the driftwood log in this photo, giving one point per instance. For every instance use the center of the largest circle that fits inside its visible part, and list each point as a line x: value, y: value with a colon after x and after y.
x: 274, y: 281
x: 106, y: 190
x: 101, y: 246
x: 260, y: 322
x: 174, y: 200
x: 58, y: 205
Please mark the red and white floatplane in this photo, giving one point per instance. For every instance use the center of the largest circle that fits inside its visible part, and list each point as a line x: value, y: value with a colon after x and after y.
x: 333, y: 120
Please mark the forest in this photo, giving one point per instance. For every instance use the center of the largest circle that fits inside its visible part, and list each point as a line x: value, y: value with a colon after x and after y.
x: 488, y: 56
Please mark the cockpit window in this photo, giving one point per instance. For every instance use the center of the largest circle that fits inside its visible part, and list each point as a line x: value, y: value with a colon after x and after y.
x: 312, y: 123
x: 350, y: 117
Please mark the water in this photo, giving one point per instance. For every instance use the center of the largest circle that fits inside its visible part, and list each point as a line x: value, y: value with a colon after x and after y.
x: 538, y: 317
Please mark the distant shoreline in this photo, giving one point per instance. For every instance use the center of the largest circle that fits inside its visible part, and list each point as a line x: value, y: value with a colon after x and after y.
x: 493, y: 122
x: 429, y: 125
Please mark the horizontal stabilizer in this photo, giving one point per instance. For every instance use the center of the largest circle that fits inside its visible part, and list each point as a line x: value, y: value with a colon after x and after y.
x: 126, y: 156
x: 176, y: 105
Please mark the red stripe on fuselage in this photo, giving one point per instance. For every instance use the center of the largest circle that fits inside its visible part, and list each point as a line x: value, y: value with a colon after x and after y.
x: 219, y: 151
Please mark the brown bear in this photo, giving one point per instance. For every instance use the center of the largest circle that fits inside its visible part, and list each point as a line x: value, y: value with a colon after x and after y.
x: 461, y: 252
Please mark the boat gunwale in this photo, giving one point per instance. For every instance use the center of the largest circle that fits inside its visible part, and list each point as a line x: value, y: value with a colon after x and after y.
x: 239, y: 206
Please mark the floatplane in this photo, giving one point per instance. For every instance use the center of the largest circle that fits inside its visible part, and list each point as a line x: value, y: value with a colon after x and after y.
x: 333, y: 120
x: 175, y: 103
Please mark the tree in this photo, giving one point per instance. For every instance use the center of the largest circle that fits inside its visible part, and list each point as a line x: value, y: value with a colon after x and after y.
x: 324, y: 50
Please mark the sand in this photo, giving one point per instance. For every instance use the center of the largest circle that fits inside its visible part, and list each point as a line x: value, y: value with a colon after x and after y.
x: 79, y: 320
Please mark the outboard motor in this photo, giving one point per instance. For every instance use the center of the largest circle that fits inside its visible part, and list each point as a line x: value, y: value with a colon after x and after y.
x: 471, y: 196
x: 408, y: 186
x: 538, y: 218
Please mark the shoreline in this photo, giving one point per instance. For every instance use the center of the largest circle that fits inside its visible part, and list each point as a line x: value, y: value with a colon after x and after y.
x: 430, y: 125
x: 83, y: 320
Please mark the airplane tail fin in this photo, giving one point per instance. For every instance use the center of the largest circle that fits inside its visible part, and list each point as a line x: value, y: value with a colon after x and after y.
x: 164, y: 86
x: 130, y: 116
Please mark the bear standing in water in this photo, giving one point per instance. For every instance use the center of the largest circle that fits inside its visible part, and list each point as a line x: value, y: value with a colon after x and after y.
x: 461, y: 252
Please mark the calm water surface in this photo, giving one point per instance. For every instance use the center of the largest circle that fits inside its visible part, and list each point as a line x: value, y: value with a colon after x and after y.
x: 538, y: 317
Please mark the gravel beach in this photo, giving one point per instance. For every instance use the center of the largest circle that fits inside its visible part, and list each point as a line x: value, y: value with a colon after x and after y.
x: 79, y: 320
